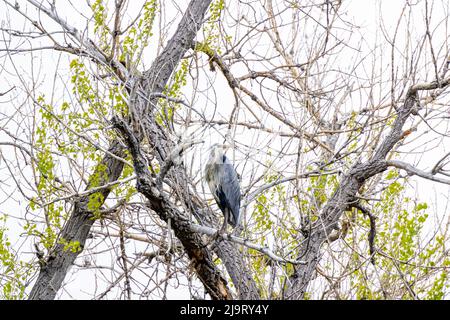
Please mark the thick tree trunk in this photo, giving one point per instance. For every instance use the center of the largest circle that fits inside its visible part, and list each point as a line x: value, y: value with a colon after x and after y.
x: 231, y: 257
x: 238, y: 270
x: 201, y: 258
x: 54, y: 270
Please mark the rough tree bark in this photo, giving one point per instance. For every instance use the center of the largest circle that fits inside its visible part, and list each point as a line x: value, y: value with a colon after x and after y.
x: 201, y: 258
x: 55, y: 267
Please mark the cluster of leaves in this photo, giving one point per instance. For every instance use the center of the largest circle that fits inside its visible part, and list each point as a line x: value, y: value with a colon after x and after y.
x: 276, y: 221
x: 67, y: 134
x: 138, y: 37
x: 45, y: 167
x: 172, y: 90
x: 101, y: 28
x: 274, y: 224
x: 408, y: 263
x: 71, y: 132
x: 261, y: 231
x: 134, y: 40
x: 211, y: 29
x: 14, y: 273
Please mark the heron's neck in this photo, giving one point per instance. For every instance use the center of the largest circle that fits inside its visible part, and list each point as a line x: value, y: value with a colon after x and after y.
x: 220, y: 158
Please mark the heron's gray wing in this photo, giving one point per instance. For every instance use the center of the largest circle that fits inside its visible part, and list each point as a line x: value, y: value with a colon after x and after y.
x: 231, y: 189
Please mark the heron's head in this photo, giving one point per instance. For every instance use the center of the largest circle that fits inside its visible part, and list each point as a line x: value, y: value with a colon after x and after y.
x: 216, y: 152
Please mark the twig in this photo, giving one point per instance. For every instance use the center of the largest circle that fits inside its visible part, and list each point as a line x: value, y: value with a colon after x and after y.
x: 174, y: 158
x: 372, y: 232
x: 90, y: 191
x: 245, y: 242
x: 414, y: 171
x: 6, y: 92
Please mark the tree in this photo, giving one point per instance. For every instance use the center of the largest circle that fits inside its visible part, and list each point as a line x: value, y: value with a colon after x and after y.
x: 110, y: 108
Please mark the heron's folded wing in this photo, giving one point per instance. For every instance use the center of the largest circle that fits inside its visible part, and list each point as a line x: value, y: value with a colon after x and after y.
x: 231, y: 189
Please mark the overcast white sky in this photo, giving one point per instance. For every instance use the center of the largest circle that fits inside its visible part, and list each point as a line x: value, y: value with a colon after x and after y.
x: 366, y: 14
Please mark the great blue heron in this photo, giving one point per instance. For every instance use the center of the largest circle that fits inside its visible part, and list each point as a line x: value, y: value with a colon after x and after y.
x: 223, y: 182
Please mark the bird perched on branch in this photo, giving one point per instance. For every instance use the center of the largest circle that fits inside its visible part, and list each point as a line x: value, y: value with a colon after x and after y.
x: 223, y: 182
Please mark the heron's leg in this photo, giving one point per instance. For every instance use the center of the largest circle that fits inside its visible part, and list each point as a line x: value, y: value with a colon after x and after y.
x: 226, y: 214
x: 223, y: 228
